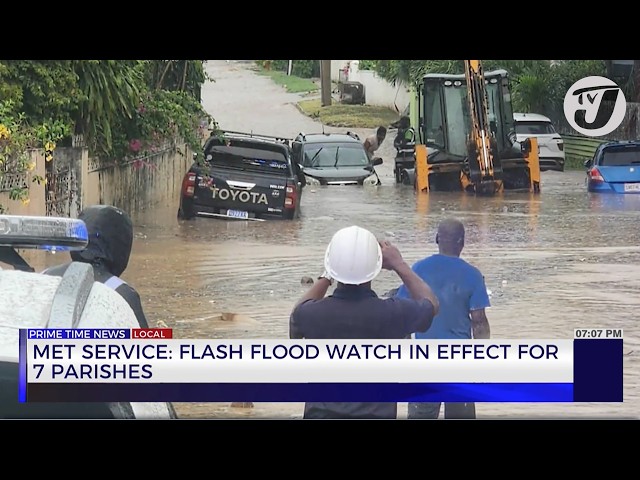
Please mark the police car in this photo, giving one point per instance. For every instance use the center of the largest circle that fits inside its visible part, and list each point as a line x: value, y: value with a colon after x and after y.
x: 75, y: 300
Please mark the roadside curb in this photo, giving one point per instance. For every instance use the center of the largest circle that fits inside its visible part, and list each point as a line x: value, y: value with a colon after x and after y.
x: 299, y: 108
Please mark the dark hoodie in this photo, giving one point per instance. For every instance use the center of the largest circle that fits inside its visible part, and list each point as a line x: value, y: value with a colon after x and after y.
x: 110, y: 242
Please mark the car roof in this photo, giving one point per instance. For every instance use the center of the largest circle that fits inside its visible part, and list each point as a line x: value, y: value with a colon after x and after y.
x: 621, y: 143
x: 329, y: 137
x: 530, y: 117
x: 461, y: 76
x: 258, y: 141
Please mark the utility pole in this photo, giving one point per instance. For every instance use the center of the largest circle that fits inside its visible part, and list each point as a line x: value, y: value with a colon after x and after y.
x: 325, y: 82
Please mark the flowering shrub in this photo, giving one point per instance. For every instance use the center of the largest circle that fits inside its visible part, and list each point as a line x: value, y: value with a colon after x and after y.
x: 161, y: 117
x: 17, y: 138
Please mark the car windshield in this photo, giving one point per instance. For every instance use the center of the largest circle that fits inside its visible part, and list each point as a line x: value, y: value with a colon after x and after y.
x: 620, y: 157
x: 335, y: 155
x: 248, y: 159
x: 534, y: 128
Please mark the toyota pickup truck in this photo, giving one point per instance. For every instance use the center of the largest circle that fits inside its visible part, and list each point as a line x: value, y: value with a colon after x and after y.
x: 243, y: 176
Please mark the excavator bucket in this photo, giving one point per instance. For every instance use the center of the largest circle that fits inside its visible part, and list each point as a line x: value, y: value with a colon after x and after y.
x: 422, y: 169
x: 531, y: 155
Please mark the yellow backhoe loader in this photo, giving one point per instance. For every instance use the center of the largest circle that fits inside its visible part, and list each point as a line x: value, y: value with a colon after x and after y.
x: 466, y: 137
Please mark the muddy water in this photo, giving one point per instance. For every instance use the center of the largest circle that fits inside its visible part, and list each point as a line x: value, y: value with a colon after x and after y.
x: 560, y: 260
x: 553, y: 262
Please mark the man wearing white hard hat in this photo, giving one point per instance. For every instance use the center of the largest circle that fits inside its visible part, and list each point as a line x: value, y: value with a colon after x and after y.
x: 353, y: 259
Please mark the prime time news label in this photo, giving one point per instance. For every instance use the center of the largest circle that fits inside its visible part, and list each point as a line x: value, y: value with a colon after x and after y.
x: 98, y: 333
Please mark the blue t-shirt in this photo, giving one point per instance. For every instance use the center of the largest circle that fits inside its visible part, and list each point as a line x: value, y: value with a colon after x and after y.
x: 459, y: 287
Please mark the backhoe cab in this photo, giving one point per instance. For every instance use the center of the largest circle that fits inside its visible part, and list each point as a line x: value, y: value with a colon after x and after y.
x: 466, y: 135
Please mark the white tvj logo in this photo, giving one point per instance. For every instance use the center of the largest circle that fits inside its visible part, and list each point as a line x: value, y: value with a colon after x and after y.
x: 595, y: 106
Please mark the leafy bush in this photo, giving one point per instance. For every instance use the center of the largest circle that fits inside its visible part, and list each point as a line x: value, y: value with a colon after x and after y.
x: 17, y: 137
x: 121, y: 107
x: 537, y: 86
x: 162, y: 115
x: 367, y: 64
x: 42, y: 90
x: 300, y: 68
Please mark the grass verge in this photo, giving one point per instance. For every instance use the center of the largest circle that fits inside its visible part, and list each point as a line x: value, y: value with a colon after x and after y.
x: 348, y: 116
x: 571, y: 163
x: 291, y: 83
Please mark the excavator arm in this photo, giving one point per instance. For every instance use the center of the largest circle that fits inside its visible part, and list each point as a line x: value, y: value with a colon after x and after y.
x: 483, y: 162
x: 481, y: 159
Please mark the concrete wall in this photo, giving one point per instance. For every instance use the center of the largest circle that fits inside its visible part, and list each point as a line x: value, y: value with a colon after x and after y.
x: 36, y: 203
x: 153, y: 181
x: 378, y: 91
x: 64, y: 181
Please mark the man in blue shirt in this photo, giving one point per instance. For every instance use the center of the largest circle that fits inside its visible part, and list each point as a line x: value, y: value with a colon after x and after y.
x: 463, y: 298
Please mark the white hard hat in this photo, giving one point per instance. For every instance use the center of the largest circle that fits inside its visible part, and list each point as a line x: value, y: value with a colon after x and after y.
x: 353, y: 256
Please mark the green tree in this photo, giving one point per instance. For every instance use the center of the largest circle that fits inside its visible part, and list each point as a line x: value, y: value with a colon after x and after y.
x: 114, y: 104
x: 176, y: 75
x: 17, y: 136
x: 42, y: 90
x: 111, y: 93
x: 536, y: 85
x: 300, y: 68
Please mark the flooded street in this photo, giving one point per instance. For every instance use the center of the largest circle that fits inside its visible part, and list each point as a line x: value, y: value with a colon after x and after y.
x: 556, y: 261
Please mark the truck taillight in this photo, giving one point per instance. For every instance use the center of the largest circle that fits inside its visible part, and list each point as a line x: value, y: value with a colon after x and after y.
x: 189, y: 184
x: 290, y: 196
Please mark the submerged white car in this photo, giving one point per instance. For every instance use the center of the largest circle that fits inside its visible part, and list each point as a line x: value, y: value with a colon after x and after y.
x: 550, y: 143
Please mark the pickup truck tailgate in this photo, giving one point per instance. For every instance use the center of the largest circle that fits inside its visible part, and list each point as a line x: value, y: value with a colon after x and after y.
x: 240, y: 192
x: 243, y: 180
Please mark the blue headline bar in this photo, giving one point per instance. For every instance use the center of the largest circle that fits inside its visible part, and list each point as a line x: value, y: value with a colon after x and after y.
x: 300, y: 392
x: 22, y: 366
x: 78, y: 334
x: 597, y: 377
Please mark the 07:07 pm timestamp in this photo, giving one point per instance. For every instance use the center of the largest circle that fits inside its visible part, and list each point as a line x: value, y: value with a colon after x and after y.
x: 597, y: 333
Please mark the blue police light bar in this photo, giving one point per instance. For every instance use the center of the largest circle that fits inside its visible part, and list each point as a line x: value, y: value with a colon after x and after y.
x: 44, y: 233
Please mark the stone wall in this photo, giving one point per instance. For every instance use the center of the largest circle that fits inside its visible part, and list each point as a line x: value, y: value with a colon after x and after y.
x: 74, y: 180
x: 35, y: 205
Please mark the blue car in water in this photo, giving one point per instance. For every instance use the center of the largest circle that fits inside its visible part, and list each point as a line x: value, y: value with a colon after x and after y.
x: 614, y: 168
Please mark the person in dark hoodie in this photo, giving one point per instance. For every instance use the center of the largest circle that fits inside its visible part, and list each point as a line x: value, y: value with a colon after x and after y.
x: 110, y: 242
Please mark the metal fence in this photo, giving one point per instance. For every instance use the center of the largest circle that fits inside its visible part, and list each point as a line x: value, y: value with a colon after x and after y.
x: 579, y: 148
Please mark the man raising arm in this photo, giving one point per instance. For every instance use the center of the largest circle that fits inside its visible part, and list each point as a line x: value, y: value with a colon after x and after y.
x: 354, y: 258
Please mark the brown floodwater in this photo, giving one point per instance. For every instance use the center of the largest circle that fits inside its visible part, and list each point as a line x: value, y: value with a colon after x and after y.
x: 553, y: 262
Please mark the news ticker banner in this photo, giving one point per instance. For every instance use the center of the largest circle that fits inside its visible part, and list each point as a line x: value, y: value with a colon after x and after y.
x: 149, y: 365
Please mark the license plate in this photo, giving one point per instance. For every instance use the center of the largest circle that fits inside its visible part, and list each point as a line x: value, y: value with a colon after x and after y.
x: 632, y: 187
x: 237, y: 214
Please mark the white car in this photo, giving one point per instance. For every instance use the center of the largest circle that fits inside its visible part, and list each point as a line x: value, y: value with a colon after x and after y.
x: 550, y: 143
